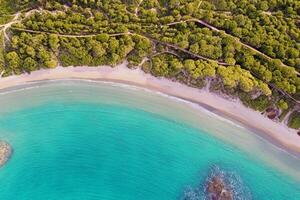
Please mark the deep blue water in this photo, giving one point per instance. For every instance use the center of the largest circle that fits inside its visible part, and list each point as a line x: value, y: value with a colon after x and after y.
x: 66, y: 147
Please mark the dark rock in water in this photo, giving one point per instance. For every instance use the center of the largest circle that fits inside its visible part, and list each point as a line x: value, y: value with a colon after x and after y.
x: 5, y: 152
x: 219, y: 185
x: 217, y: 190
x: 298, y: 133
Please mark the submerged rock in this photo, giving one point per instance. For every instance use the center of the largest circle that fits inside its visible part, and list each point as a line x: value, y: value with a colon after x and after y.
x: 219, y: 185
x: 218, y: 190
x: 5, y: 152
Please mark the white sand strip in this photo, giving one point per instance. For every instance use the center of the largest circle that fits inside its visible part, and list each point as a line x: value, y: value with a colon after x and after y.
x: 277, y: 133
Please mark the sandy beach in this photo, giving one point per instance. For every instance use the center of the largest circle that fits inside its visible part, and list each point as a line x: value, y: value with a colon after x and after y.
x: 278, y: 134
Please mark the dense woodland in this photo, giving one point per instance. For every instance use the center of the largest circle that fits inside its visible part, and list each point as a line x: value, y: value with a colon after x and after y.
x: 241, y: 48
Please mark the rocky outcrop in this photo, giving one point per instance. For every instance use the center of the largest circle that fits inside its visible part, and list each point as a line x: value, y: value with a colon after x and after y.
x: 217, y: 189
x: 219, y: 185
x: 5, y: 152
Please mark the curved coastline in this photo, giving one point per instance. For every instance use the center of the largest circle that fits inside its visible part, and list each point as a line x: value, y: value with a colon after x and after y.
x: 276, y: 133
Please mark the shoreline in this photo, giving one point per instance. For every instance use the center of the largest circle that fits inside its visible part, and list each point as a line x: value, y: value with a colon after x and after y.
x: 276, y: 133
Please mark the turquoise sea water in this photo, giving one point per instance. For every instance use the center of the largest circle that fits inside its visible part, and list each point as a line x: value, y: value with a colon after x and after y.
x: 84, y: 141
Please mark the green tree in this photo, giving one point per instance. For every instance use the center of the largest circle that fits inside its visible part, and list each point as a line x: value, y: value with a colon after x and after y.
x: 13, y: 61
x: 29, y: 64
x: 53, y: 42
x: 189, y: 64
x: 282, y: 104
x: 30, y: 51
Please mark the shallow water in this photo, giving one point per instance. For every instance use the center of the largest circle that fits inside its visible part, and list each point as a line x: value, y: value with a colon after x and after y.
x: 84, y: 140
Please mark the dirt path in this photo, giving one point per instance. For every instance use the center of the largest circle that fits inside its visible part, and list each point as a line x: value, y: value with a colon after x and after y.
x: 15, y: 20
x: 137, y: 8
x: 236, y: 38
x: 173, y: 46
x: 68, y: 35
x: 9, y: 24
